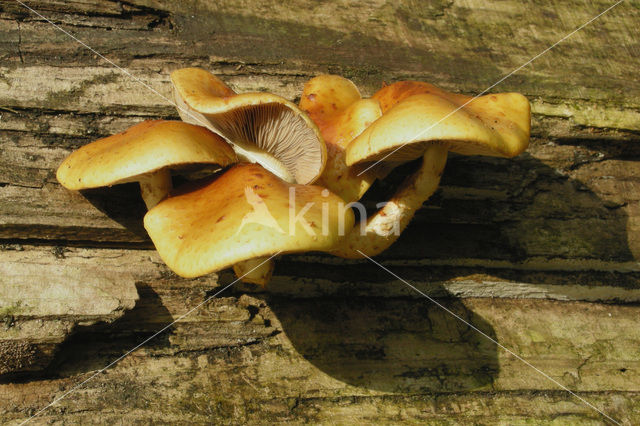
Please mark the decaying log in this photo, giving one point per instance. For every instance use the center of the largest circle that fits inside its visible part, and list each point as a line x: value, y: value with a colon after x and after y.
x: 44, y: 299
x: 539, y: 252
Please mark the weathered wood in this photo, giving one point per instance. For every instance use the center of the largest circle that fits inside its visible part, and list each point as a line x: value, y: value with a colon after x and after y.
x: 241, y: 358
x: 312, y: 341
x: 465, y: 44
x: 540, y: 252
x: 577, y: 191
x: 43, y: 301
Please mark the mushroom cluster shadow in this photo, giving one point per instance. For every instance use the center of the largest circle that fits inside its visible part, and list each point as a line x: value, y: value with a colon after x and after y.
x: 93, y: 347
x: 391, y: 344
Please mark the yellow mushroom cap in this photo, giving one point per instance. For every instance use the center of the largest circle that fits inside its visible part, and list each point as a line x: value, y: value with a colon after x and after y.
x: 140, y: 150
x: 335, y: 105
x: 418, y: 113
x: 326, y: 96
x: 391, y: 94
x: 255, y: 123
x: 243, y: 214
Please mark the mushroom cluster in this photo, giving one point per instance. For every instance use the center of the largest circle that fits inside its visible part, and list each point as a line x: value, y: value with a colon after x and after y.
x: 259, y: 198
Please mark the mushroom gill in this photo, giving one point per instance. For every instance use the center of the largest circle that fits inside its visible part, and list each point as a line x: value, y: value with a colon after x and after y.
x: 263, y: 128
x: 273, y: 135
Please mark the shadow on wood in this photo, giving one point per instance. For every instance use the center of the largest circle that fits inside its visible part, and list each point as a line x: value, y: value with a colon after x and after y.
x: 121, y: 203
x: 391, y: 345
x: 93, y: 348
x: 515, y: 210
x: 487, y: 209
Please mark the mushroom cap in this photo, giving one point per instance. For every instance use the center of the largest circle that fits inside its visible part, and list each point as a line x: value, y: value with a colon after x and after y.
x: 263, y: 120
x: 142, y: 149
x: 243, y: 214
x: 327, y: 96
x: 391, y: 94
x: 335, y: 105
x: 418, y: 113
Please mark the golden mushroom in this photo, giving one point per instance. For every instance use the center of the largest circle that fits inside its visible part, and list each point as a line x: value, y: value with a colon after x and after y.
x: 421, y: 120
x: 243, y: 214
x: 335, y: 105
x: 262, y: 127
x: 496, y: 125
x: 144, y: 153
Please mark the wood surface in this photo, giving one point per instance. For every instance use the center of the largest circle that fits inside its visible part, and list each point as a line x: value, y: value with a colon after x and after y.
x: 539, y: 252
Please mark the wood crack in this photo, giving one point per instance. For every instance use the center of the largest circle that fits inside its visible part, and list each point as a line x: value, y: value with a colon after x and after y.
x: 20, y: 43
x: 122, y: 11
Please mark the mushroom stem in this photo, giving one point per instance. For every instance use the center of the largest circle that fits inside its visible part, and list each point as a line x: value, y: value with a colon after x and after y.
x: 385, y: 226
x: 255, y: 271
x: 155, y: 186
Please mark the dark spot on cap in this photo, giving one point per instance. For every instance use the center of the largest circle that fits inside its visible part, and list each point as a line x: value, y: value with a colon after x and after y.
x: 220, y: 219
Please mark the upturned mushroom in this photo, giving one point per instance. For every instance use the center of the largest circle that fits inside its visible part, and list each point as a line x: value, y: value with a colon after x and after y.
x: 243, y: 214
x: 144, y: 153
x: 335, y: 105
x: 421, y: 120
x: 262, y: 127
